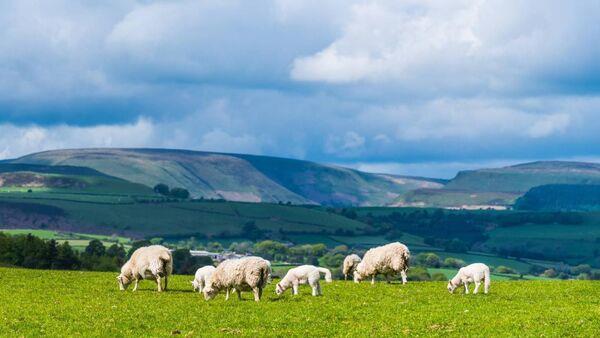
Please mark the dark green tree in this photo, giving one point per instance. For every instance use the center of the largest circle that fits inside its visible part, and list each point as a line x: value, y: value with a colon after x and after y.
x: 180, y: 193
x: 162, y: 189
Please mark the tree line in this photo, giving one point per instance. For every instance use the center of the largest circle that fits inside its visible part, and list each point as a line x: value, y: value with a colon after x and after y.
x: 32, y: 252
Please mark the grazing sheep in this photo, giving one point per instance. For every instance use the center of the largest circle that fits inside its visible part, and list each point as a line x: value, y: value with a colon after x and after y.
x: 471, y: 273
x: 388, y: 259
x: 151, y: 262
x: 202, y: 275
x: 243, y: 274
x: 302, y: 275
x: 350, y: 263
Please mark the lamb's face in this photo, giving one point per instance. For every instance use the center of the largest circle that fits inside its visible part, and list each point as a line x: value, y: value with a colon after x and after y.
x: 451, y: 287
x: 209, y: 292
x: 279, y: 289
x: 357, y: 277
x: 123, y: 282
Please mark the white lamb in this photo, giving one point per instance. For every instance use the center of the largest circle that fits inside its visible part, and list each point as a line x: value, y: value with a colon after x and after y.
x: 302, y: 275
x: 350, y: 263
x: 475, y: 273
x: 244, y: 274
x: 153, y: 262
x: 201, y: 276
x: 389, y: 259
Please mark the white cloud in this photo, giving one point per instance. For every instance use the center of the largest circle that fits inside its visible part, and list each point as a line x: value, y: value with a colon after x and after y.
x: 468, y: 46
x: 22, y: 140
x: 549, y: 124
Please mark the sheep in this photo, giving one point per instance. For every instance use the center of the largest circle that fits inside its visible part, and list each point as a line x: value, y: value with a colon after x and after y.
x: 471, y: 273
x: 350, y: 263
x: 151, y: 262
x: 388, y: 259
x: 202, y: 275
x: 302, y: 275
x: 243, y: 274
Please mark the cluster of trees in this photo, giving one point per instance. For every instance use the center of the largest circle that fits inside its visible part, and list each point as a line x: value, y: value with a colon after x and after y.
x: 561, y: 197
x: 562, y: 271
x: 176, y: 192
x: 34, y: 253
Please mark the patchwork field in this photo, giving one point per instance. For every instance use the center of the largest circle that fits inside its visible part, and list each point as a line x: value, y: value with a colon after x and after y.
x: 59, y: 303
x: 77, y: 240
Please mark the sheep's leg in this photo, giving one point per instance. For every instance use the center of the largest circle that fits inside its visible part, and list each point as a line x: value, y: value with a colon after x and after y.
x: 295, y: 288
x: 166, y: 282
x: 256, y: 294
x: 227, y: 294
x: 315, y: 288
x: 158, y: 283
x: 345, y: 277
x: 466, y: 288
x: 135, y: 285
x: 319, y: 293
x: 476, y: 287
x: 373, y: 280
x: 239, y: 293
x: 260, y: 291
x: 200, y: 287
x: 403, y: 274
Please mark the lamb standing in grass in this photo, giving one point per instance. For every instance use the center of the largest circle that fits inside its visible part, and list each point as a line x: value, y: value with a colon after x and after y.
x: 389, y: 259
x: 350, y: 263
x: 151, y: 262
x: 302, y: 275
x: 202, y: 275
x: 244, y: 274
x: 475, y: 273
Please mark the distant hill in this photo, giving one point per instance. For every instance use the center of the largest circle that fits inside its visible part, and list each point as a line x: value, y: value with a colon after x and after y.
x: 65, y: 179
x: 238, y: 177
x: 561, y: 197
x: 500, y: 187
x: 522, y: 177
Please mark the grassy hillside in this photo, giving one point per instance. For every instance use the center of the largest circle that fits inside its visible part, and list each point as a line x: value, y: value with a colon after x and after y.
x: 108, y: 214
x: 15, y: 178
x: 522, y: 177
x: 502, y: 186
x: 89, y: 304
x: 446, y: 198
x: 239, y: 177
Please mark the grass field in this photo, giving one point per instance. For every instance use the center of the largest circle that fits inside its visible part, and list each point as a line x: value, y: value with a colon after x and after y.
x: 59, y: 303
x: 110, y: 214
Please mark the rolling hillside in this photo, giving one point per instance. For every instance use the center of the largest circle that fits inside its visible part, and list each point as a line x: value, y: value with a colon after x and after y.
x: 500, y: 187
x: 239, y: 177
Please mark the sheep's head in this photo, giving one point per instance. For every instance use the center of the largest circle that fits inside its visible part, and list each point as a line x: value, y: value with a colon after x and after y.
x: 279, y: 289
x: 451, y: 287
x: 357, y: 277
x: 209, y: 292
x: 123, y: 282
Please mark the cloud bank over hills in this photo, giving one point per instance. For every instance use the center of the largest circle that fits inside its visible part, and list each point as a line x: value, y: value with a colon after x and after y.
x: 406, y: 84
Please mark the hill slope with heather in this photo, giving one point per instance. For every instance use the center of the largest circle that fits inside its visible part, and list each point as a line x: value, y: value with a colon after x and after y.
x: 500, y: 187
x: 238, y: 177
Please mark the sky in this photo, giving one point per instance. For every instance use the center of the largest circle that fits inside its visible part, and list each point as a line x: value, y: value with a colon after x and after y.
x: 407, y: 87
